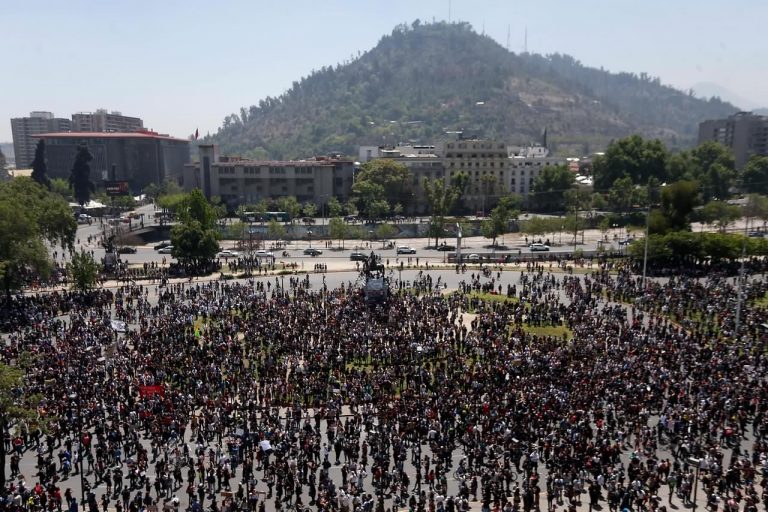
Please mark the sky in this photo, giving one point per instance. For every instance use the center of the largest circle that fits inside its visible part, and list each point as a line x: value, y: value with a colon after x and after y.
x: 185, y: 65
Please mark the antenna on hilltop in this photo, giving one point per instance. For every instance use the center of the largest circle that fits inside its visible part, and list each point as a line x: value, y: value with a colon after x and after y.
x: 508, y: 28
x: 449, y: 11
x: 525, y: 41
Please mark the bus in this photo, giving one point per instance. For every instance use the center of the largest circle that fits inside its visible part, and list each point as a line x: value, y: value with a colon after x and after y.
x: 267, y: 217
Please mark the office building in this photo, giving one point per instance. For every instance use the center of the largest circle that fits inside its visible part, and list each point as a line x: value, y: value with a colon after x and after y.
x: 103, y: 121
x: 140, y: 158
x: 239, y: 181
x: 25, y: 128
x: 745, y: 133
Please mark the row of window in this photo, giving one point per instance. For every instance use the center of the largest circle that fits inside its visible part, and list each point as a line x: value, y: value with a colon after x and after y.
x: 465, y: 145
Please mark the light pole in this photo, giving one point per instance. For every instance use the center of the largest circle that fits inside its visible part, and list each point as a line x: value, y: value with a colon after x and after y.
x: 697, y: 463
x: 309, y: 234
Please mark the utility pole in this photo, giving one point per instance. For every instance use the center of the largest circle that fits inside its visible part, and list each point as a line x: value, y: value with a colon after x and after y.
x: 741, y: 279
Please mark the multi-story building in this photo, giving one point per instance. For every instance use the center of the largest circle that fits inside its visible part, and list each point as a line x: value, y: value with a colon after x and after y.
x: 238, y: 181
x: 140, y: 158
x: 486, y: 162
x: 25, y: 128
x: 103, y: 121
x: 525, y: 165
x: 745, y: 133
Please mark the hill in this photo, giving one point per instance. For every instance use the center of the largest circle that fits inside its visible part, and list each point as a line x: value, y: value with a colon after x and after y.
x: 423, y: 80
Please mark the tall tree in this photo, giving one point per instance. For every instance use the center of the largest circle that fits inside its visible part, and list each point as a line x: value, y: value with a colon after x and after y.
x: 338, y: 229
x: 195, y: 239
x: 634, y: 157
x: 677, y: 202
x: 30, y: 218
x: 83, y: 271
x: 755, y: 175
x: 382, y: 180
x: 39, y: 166
x: 550, y: 186
x: 80, y: 176
x: 440, y: 198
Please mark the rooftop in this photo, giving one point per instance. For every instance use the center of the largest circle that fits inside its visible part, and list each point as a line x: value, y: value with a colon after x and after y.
x: 282, y: 163
x: 145, y: 134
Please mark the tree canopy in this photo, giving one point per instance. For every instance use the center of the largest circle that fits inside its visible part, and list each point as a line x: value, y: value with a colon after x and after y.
x: 634, y: 157
x: 381, y: 184
x: 39, y: 166
x: 30, y: 217
x: 549, y: 188
x: 194, y: 238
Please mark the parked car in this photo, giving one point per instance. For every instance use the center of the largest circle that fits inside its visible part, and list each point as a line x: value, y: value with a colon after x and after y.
x: 163, y: 245
x: 446, y: 247
x: 539, y: 247
x: 626, y: 241
x: 127, y: 249
x: 84, y: 218
x: 226, y: 253
x: 165, y: 250
x: 358, y: 256
x: 474, y: 257
x: 311, y: 251
x: 261, y: 253
x: 404, y: 249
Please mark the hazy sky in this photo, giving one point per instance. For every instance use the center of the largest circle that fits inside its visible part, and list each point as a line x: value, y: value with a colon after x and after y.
x: 182, y: 65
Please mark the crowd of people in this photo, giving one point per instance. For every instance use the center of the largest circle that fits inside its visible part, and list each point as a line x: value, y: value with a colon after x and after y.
x: 269, y: 394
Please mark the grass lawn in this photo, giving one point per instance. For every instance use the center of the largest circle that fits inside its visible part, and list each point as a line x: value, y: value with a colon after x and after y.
x: 550, y: 330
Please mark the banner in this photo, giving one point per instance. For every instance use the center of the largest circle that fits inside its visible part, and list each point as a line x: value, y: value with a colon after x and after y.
x: 116, y: 188
x: 149, y: 391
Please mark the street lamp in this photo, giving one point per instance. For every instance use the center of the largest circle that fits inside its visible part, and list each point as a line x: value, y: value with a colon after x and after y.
x: 697, y: 463
x: 309, y: 234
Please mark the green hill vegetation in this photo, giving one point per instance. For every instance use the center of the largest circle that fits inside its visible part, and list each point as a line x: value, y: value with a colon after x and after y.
x: 425, y: 79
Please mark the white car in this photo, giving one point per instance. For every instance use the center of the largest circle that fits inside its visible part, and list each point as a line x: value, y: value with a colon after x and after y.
x: 404, y: 249
x: 261, y: 253
x: 165, y: 250
x: 473, y: 257
x: 539, y: 247
x: 226, y: 253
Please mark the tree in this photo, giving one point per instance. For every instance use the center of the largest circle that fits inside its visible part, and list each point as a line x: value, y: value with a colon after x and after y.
x: 460, y: 182
x: 14, y: 406
x: 290, y: 205
x: 338, y: 229
x: 39, y: 166
x: 385, y: 231
x: 498, y: 222
x: 550, y: 186
x: 30, y: 217
x: 83, y: 271
x: 3, y: 164
x: 275, y: 230
x: 60, y: 186
x: 755, y: 175
x: 309, y: 209
x: 633, y: 156
x: 621, y: 195
x: 334, y: 207
x: 195, y: 239
x: 718, y: 213
x: 382, y: 180
x: 441, y: 199
x: 677, y: 202
x: 80, y: 176
x: 714, y: 169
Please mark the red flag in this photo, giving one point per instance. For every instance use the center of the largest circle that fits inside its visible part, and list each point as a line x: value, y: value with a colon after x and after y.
x: 196, y: 133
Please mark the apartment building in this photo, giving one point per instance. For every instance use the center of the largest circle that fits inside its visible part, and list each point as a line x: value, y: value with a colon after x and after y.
x: 24, y: 130
x: 745, y: 133
x: 103, y: 121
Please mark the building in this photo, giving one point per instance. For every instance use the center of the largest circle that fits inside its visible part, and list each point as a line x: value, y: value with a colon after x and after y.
x: 525, y: 165
x: 24, y: 130
x: 103, y: 121
x: 140, y: 158
x: 745, y: 133
x: 238, y: 181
